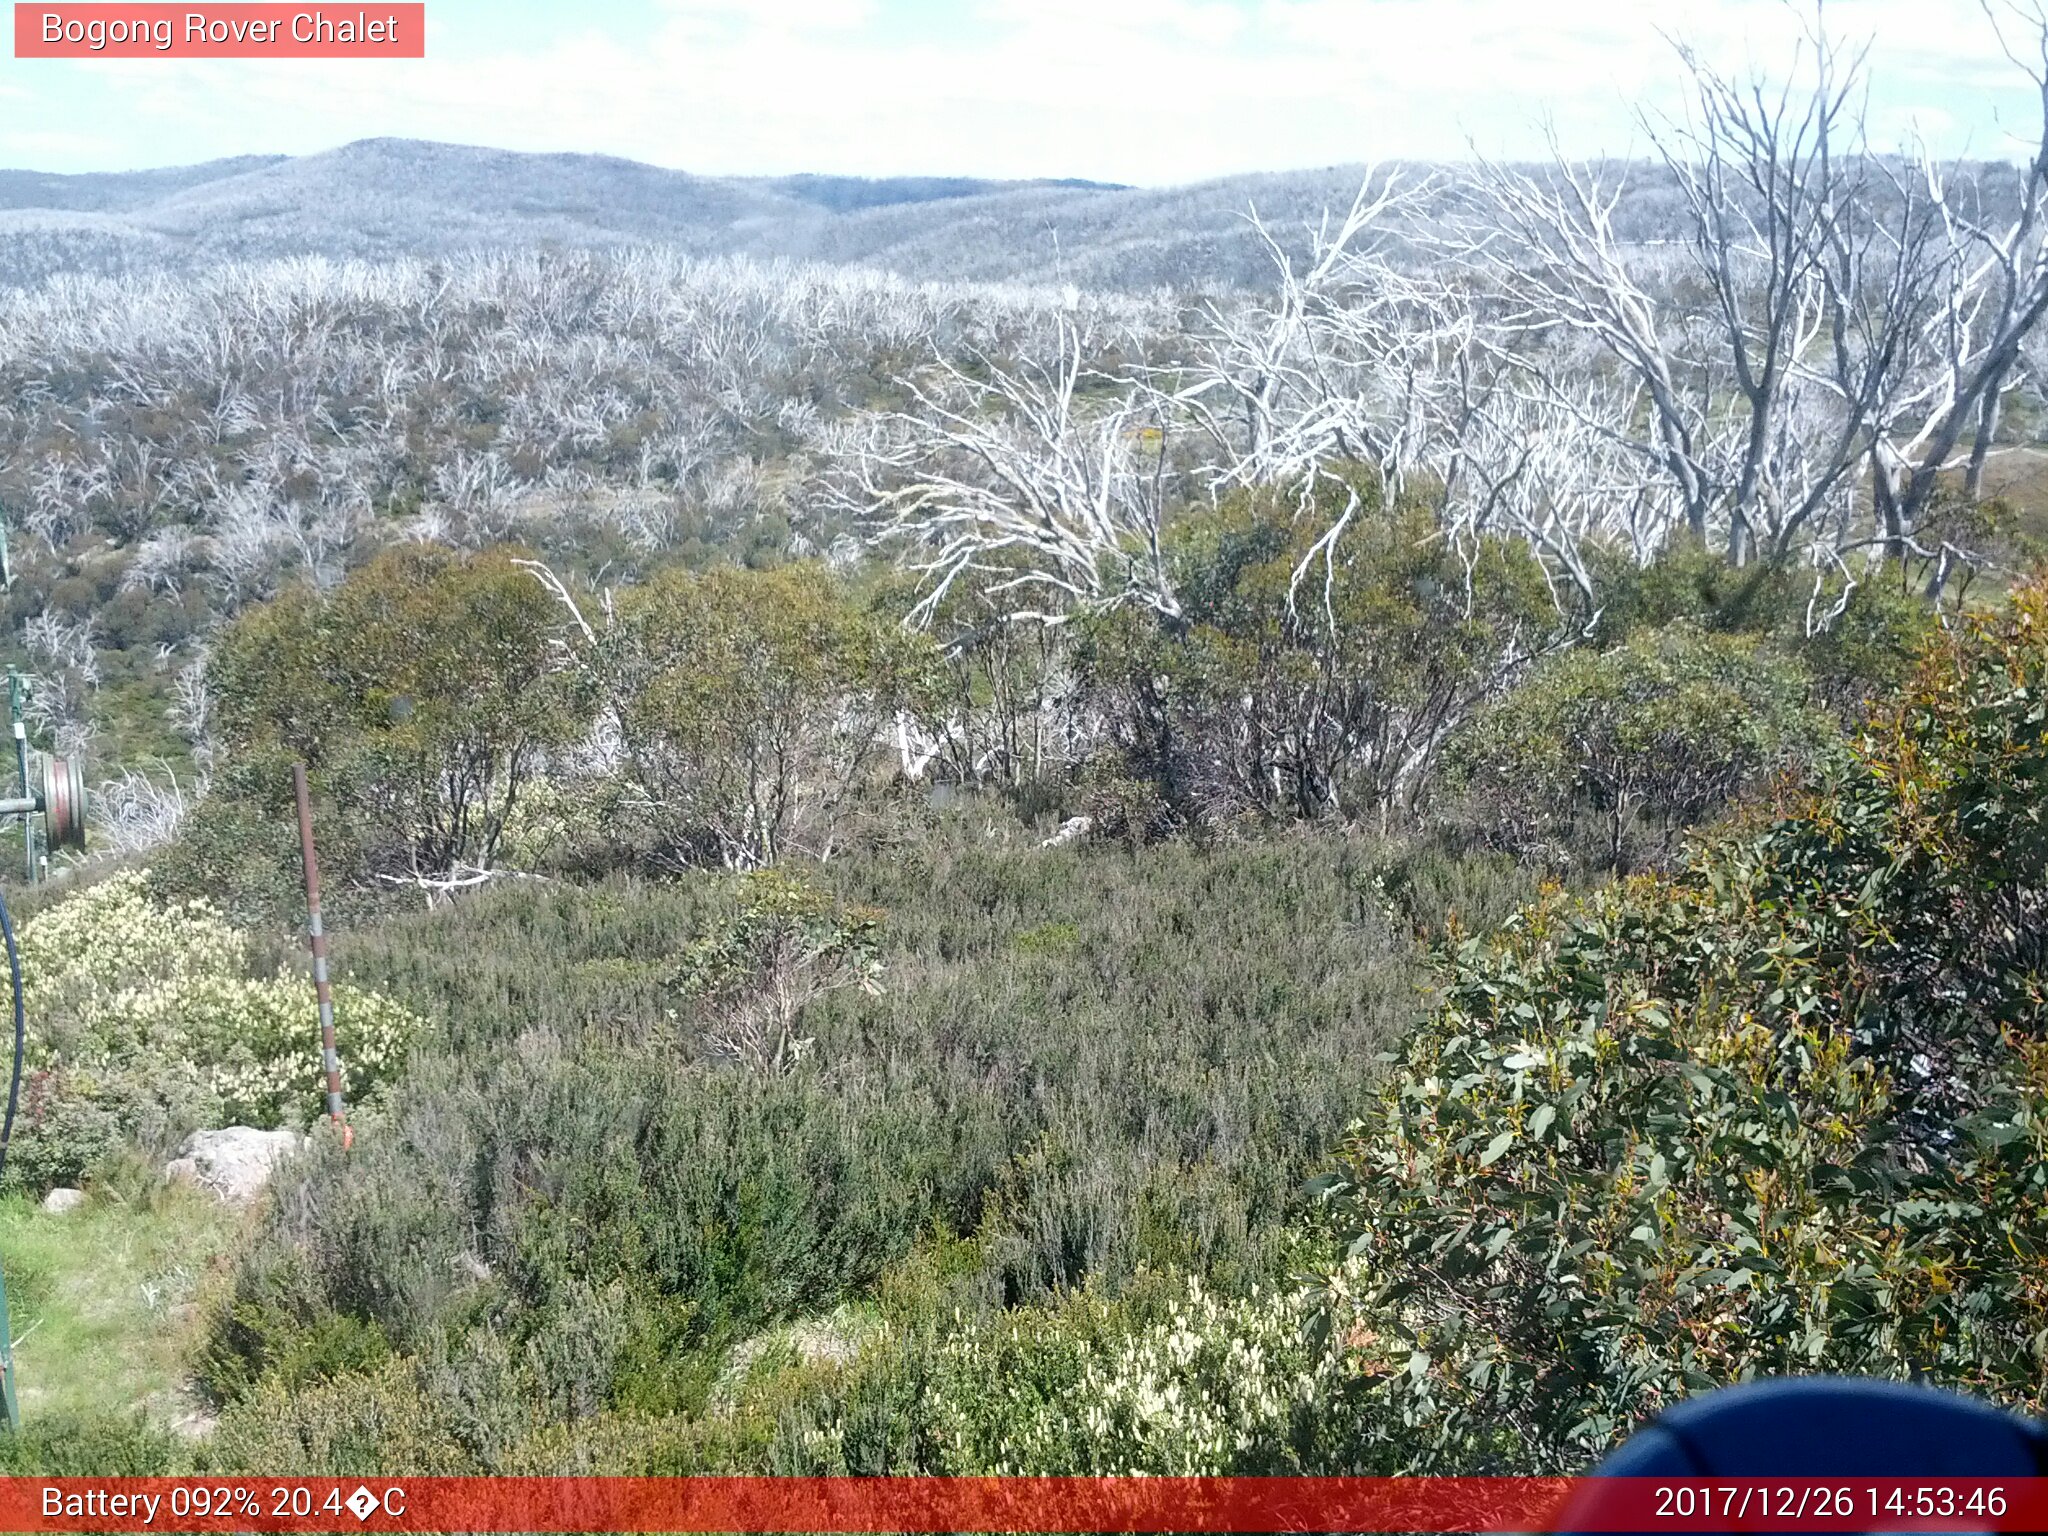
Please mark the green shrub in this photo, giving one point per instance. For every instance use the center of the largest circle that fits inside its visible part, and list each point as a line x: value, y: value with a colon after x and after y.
x: 422, y: 694
x: 1612, y: 755
x: 1185, y: 1384
x: 750, y: 704
x: 1689, y: 583
x: 1444, y: 893
x: 1858, y: 648
x: 82, y: 955
x: 1868, y: 652
x: 1214, y: 1386
x: 70, y: 1445
x: 69, y: 1124
x: 277, y: 1333
x: 722, y: 1200
x: 1147, y: 1089
x: 238, y: 849
x: 633, y: 1445
x: 749, y: 980
x: 1312, y: 678
x: 1125, y: 809
x: 1050, y: 939
x: 380, y: 1422
x: 997, y: 687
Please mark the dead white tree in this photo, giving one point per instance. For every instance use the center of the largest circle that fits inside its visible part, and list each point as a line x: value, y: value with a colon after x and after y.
x: 1544, y: 463
x: 1361, y: 357
x: 1016, y: 473
x: 190, y: 712
x: 1549, y: 247
x: 1838, y: 325
x: 1775, y: 182
x: 138, y: 811
x: 1335, y: 364
x: 64, y: 644
x: 1993, y: 260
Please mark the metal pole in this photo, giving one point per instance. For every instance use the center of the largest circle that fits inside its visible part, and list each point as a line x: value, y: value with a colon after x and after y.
x: 14, y: 704
x: 317, y: 937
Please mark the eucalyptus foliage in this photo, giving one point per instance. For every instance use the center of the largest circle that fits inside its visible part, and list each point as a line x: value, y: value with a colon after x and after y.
x: 1781, y: 1112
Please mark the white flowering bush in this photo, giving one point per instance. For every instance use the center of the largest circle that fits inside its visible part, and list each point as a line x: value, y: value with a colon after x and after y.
x: 144, y: 1023
x: 1211, y: 1385
x: 257, y: 1042
x: 112, y: 939
x: 1214, y: 1382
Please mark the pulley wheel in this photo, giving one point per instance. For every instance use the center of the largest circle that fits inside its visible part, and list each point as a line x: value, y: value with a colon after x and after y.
x: 63, y: 803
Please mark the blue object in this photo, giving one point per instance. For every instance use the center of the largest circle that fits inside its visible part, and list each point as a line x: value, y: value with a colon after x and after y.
x: 1833, y: 1426
x: 1825, y: 1426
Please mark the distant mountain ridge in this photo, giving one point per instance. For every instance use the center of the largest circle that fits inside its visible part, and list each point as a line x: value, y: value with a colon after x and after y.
x: 386, y: 197
x: 382, y: 198
x: 117, y: 191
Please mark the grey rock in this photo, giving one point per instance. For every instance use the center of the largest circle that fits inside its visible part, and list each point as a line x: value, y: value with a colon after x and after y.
x: 232, y: 1164
x: 59, y: 1202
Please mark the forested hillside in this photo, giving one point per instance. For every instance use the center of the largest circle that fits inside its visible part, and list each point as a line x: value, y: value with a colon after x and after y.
x: 1382, y: 863
x: 386, y: 199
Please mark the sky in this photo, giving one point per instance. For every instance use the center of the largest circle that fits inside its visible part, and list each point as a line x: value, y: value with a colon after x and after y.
x: 1153, y: 92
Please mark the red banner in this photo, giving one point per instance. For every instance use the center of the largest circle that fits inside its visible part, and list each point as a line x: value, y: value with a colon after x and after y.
x: 71, y: 31
x: 1032, y: 1504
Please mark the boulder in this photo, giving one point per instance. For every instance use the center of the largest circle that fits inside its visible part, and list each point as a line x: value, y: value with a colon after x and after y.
x: 232, y: 1164
x: 59, y: 1202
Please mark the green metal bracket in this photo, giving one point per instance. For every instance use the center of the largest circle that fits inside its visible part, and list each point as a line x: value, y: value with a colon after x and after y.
x: 12, y: 1404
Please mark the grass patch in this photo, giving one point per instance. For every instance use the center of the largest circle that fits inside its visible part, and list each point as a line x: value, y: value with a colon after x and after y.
x: 102, y: 1301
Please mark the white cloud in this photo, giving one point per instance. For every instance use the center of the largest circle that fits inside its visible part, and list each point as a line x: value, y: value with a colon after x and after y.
x: 1136, y: 90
